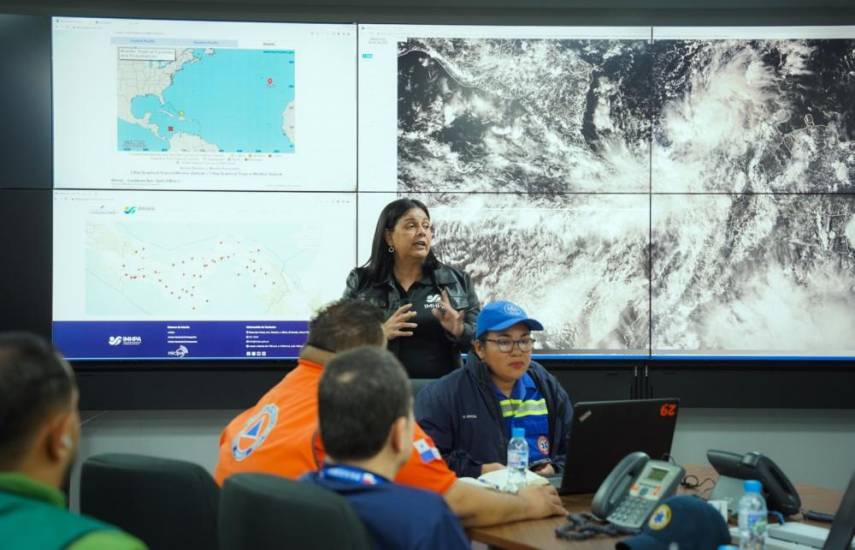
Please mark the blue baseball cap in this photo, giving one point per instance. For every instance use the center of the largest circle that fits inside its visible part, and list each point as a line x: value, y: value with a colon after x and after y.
x: 687, y: 520
x: 501, y: 315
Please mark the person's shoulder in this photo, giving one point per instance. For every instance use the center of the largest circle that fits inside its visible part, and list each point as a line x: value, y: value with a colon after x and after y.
x: 547, y: 379
x: 428, y: 503
x: 107, y: 539
x: 357, y: 276
x: 538, y: 370
x: 445, y: 385
x: 434, y: 522
x: 445, y: 273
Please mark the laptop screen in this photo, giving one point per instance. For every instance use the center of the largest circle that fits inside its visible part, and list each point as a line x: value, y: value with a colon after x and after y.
x: 603, y: 432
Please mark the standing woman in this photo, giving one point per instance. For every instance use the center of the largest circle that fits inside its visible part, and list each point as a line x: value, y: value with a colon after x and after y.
x: 430, y: 307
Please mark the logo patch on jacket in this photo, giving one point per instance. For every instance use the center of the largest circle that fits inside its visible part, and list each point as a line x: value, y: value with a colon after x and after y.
x: 254, y: 432
x: 543, y: 444
x: 427, y: 452
x: 433, y: 301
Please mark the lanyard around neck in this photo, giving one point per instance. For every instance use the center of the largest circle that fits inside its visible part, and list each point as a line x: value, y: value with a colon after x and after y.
x: 349, y: 474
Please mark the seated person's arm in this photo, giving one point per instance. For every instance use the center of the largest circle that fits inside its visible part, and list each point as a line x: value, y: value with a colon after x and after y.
x: 478, y: 507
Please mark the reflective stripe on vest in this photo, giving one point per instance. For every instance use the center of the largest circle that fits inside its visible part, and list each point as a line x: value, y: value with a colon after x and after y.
x: 519, y: 408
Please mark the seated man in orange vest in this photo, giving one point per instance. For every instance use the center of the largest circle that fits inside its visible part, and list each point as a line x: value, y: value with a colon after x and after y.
x: 279, y: 435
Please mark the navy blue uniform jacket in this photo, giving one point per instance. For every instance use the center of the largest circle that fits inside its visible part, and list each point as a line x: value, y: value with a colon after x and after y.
x: 461, y: 412
x: 398, y: 517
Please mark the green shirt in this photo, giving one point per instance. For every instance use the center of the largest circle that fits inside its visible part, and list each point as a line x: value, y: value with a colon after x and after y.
x: 33, y: 515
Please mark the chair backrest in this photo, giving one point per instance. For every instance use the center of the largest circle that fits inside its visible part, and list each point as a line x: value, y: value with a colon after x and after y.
x: 259, y: 511
x: 166, y: 503
x: 842, y: 529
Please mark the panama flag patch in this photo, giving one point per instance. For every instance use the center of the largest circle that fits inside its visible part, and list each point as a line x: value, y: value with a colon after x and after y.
x: 427, y: 452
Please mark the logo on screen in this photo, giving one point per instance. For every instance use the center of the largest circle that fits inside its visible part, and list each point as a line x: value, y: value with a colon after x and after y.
x: 130, y: 210
x: 124, y: 340
x: 180, y: 352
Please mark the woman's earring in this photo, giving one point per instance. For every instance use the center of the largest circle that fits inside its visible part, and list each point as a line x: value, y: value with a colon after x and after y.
x: 391, y: 250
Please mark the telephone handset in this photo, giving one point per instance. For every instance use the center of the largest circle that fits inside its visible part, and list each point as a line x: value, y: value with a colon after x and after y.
x: 779, y: 493
x: 634, y: 488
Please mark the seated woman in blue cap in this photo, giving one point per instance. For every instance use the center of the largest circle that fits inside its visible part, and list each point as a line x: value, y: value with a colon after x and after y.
x: 470, y: 412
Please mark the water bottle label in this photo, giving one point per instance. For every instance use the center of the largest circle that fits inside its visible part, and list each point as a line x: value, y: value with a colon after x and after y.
x: 517, y: 461
x: 756, y: 523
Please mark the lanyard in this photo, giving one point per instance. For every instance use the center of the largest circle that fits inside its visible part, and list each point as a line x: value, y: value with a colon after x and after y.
x: 349, y: 474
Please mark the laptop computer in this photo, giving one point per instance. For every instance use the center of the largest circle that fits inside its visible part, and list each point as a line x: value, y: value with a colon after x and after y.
x: 603, y: 432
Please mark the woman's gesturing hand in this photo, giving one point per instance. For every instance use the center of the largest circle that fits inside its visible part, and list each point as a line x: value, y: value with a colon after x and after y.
x: 398, y: 324
x: 450, y: 319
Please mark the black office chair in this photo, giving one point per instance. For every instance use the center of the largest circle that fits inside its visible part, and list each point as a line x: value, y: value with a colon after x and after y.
x: 259, y: 511
x: 166, y: 503
x: 842, y: 530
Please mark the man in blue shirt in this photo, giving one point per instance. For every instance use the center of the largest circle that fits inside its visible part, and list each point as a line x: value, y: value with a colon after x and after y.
x: 365, y: 413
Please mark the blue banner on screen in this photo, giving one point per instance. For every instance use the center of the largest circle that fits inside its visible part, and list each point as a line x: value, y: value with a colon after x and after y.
x: 180, y: 340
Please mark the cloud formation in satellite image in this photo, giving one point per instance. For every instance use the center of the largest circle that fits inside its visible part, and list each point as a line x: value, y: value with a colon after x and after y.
x: 765, y: 263
x: 530, y: 116
x: 731, y: 161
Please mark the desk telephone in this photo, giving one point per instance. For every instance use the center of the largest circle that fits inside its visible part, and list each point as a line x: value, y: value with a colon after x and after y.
x: 634, y: 488
x: 733, y: 468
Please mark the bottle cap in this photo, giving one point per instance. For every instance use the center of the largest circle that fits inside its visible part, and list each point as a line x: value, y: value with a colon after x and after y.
x: 752, y: 486
x: 518, y: 432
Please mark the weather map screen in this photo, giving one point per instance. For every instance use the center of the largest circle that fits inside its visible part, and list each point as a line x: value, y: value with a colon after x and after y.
x: 180, y: 118
x: 148, y: 274
x: 192, y: 165
x: 203, y: 105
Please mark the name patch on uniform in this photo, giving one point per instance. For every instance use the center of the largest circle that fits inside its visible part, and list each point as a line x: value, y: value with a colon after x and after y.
x: 427, y: 452
x: 254, y: 432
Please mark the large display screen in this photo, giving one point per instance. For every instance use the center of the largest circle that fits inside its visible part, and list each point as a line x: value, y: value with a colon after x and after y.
x: 141, y: 104
x: 205, y: 178
x: 643, y: 192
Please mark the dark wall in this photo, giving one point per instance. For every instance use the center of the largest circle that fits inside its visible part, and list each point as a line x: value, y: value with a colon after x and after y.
x: 507, y: 12
x: 25, y: 201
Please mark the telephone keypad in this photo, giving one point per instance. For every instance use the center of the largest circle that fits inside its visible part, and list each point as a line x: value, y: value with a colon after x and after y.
x: 632, y: 511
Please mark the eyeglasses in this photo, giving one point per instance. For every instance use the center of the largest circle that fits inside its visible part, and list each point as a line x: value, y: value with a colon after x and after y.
x: 506, y: 345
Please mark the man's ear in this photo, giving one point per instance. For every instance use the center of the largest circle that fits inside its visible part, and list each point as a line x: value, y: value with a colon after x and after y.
x: 59, y: 442
x: 400, y: 437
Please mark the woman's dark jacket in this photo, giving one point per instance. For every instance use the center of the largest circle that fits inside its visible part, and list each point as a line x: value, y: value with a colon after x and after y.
x: 385, y: 295
x: 461, y: 412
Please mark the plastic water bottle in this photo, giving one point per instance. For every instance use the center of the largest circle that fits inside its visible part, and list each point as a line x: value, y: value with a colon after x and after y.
x: 752, y: 516
x: 517, y: 460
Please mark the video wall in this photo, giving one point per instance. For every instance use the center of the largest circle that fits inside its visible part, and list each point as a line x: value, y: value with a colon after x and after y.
x: 641, y: 191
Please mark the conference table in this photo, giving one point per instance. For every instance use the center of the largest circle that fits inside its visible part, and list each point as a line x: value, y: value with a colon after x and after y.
x: 540, y: 534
